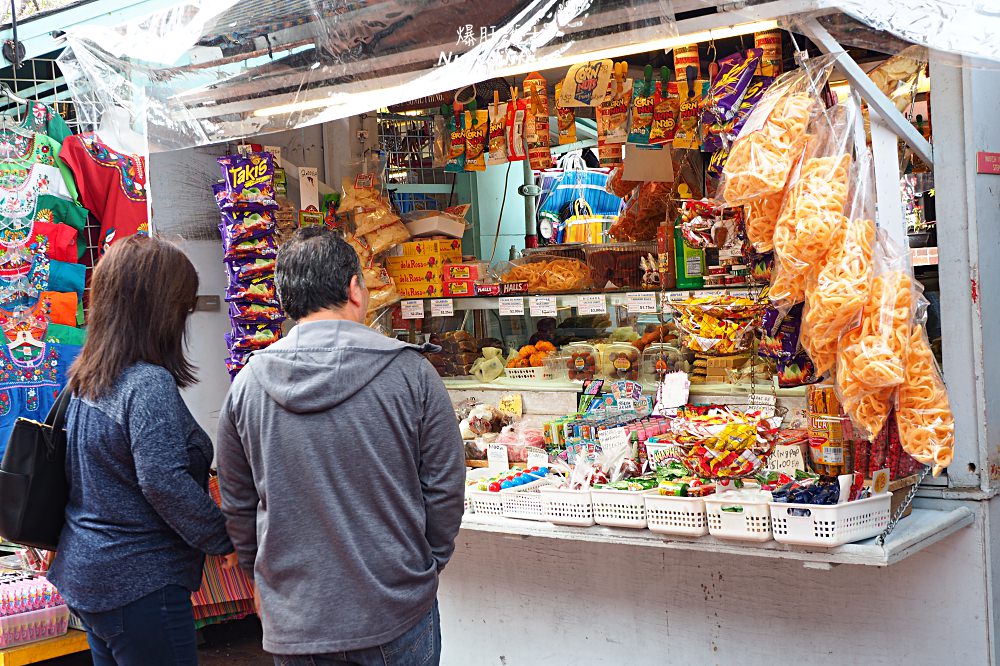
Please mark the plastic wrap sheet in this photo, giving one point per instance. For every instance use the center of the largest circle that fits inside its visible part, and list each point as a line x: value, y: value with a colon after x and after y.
x: 210, y: 70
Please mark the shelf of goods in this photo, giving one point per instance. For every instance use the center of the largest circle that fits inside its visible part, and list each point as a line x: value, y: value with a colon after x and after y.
x: 613, y: 298
x: 922, y: 528
x: 33, y: 653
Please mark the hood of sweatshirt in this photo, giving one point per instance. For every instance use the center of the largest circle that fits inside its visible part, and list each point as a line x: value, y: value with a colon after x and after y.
x: 321, y: 364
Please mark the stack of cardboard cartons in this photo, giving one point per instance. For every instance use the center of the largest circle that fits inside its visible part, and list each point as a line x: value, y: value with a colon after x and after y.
x: 717, y: 368
x: 419, y: 273
x: 460, y: 278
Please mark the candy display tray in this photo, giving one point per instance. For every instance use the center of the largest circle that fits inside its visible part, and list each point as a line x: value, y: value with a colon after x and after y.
x: 619, y: 508
x: 567, y: 507
x: 750, y: 521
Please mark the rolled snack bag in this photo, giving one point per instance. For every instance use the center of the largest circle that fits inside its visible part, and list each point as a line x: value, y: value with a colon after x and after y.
x: 478, y: 124
x: 923, y: 413
x: 729, y: 86
x: 456, y: 146
x: 566, y: 118
x: 517, y: 115
x: 770, y: 142
x: 498, y: 133
x: 249, y: 182
x: 260, y: 291
x: 666, y: 108
x: 247, y: 312
x: 252, y: 248
x: 537, y: 122
x: 238, y: 226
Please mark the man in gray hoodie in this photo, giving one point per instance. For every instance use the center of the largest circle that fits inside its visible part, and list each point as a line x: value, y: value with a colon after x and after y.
x: 342, y: 474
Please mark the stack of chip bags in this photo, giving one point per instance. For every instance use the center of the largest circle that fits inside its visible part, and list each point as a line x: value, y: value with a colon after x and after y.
x: 246, y: 201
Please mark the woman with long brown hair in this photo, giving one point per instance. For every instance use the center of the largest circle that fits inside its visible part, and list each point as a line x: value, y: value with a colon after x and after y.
x: 139, y: 519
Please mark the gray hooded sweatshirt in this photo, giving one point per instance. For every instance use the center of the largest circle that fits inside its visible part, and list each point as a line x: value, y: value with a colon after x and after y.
x: 342, y: 475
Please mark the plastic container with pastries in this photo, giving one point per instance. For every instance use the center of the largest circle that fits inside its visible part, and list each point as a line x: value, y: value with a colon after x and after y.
x: 658, y: 359
x: 622, y: 361
x: 582, y: 361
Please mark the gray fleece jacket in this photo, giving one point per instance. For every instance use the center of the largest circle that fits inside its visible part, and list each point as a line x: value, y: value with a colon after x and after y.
x: 342, y: 471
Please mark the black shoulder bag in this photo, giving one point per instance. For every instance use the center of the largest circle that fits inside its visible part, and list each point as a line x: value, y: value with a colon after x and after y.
x: 34, y: 489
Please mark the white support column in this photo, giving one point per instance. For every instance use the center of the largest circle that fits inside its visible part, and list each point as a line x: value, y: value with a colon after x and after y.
x: 885, y: 151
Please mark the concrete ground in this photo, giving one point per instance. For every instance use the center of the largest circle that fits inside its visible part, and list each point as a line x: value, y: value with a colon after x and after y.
x: 230, y: 644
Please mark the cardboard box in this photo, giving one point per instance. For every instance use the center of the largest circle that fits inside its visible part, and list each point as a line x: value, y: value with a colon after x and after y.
x: 416, y: 276
x: 737, y: 361
x: 419, y: 290
x: 446, y: 249
x: 459, y: 288
x: 431, y: 262
x: 464, y: 271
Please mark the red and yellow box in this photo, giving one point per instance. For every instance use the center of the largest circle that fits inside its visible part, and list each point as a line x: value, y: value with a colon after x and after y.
x: 450, y: 249
x: 459, y: 288
x: 419, y: 290
x: 464, y: 271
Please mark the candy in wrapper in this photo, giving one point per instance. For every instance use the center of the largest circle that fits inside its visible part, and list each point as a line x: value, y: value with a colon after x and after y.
x: 252, y: 248
x: 244, y: 271
x: 249, y: 182
x: 239, y: 226
x: 245, y: 313
x: 258, y: 291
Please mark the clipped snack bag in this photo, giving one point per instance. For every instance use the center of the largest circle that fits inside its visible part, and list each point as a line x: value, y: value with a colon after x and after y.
x: 643, y: 102
x: 517, y: 116
x: 690, y: 95
x: 537, y: 122
x: 260, y: 291
x: 498, y: 133
x: 477, y: 125
x: 923, y: 413
x: 666, y: 108
x: 385, y: 237
x: 250, y: 338
x: 612, y: 119
x: 770, y: 142
x: 249, y: 182
x: 566, y: 119
x: 251, y: 248
x: 456, y: 144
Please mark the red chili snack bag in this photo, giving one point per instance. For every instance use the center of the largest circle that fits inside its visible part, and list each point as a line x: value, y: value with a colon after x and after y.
x: 665, y: 111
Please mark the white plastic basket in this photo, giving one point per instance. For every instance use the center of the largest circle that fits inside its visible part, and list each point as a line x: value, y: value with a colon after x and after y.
x: 748, y: 521
x: 668, y: 514
x: 561, y: 506
x: 830, y: 525
x: 524, y: 502
x: 485, y: 502
x: 528, y: 373
x: 619, y: 508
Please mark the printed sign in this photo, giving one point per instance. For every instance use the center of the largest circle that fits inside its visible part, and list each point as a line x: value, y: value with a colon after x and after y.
x: 412, y: 309
x: 496, y: 457
x: 641, y: 301
x: 988, y: 162
x: 442, y: 307
x: 511, y: 305
x: 542, y: 306
x: 537, y: 457
x: 786, y: 458
x: 586, y: 83
x: 592, y: 304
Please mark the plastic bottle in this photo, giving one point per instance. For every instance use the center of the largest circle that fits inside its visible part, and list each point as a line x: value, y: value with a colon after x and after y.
x: 690, y: 263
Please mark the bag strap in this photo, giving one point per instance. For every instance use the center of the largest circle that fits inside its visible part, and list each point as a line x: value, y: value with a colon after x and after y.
x: 56, y: 418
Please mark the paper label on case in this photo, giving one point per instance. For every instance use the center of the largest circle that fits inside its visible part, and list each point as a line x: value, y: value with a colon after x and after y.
x: 673, y: 392
x: 496, y: 458
x: 786, y: 458
x: 612, y: 439
x: 641, y: 301
x: 542, y: 306
x: 442, y: 307
x: 412, y: 309
x: 537, y: 457
x: 592, y: 304
x: 511, y: 306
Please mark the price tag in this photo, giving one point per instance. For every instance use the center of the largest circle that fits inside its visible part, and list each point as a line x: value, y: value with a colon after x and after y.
x: 511, y: 404
x: 672, y: 393
x: 542, y: 306
x: 511, y: 305
x: 413, y: 309
x: 442, y: 307
x: 496, y: 457
x: 765, y: 403
x: 592, y: 304
x: 786, y: 458
x: 537, y: 457
x: 641, y: 301
x: 612, y: 439
x: 880, y: 482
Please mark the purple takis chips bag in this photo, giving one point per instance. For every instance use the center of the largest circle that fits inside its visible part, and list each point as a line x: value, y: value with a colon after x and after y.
x: 257, y: 291
x: 247, y: 270
x: 796, y: 371
x: 249, y: 339
x: 243, y: 225
x: 243, y: 313
x: 780, y: 333
x: 249, y: 182
x: 755, y: 91
x: 252, y: 248
x: 730, y: 85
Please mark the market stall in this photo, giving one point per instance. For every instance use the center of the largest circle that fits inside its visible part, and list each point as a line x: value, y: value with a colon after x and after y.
x: 709, y: 366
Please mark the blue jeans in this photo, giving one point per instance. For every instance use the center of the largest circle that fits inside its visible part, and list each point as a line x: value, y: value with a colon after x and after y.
x: 156, y: 630
x: 420, y: 646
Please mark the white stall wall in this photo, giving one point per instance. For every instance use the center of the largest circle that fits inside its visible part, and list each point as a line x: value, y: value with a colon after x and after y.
x: 184, y: 212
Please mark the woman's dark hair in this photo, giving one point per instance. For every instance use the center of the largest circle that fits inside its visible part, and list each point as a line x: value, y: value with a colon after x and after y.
x: 314, y: 271
x: 141, y: 293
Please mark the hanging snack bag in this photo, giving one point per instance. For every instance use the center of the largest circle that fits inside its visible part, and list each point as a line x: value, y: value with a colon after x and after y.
x: 252, y: 248
x: 246, y: 313
x: 666, y: 107
x: 771, y: 140
x: 456, y: 145
x: 260, y: 291
x: 387, y: 236
x: 239, y: 226
x: 923, y: 414
x: 768, y: 43
x: 643, y: 102
x: 249, y: 182
x: 729, y: 86
x: 566, y: 118
x: 612, y: 122
x: 478, y: 127
x: 442, y: 141
x: 517, y: 118
x: 690, y: 93
x: 537, y: 122
x: 498, y: 133
x: 727, y: 133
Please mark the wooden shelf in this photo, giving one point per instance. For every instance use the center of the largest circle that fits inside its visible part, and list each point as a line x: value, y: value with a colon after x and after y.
x: 914, y: 533
x: 33, y: 653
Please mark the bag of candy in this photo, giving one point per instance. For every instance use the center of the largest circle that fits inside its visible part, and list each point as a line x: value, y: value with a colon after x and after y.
x: 249, y: 182
x: 770, y: 142
x: 260, y: 291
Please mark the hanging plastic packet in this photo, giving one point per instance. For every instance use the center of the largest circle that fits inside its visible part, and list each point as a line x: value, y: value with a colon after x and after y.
x: 246, y: 339
x: 768, y: 42
x: 249, y: 182
x: 498, y: 133
x: 537, y: 122
x: 387, y: 236
x: 729, y: 86
x: 923, y: 413
x: 441, y: 141
x: 517, y: 114
x: 666, y: 107
x: 239, y: 226
x: 456, y: 145
x: 728, y: 132
x: 566, y: 119
x: 773, y: 134
x: 690, y: 93
x: 643, y: 103
x: 260, y: 291
x: 612, y: 121
x: 255, y: 313
x: 477, y: 125
x: 247, y: 270
x: 252, y: 248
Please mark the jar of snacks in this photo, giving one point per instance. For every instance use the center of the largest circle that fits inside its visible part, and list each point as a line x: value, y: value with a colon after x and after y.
x: 622, y: 361
x: 659, y: 359
x: 581, y: 361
